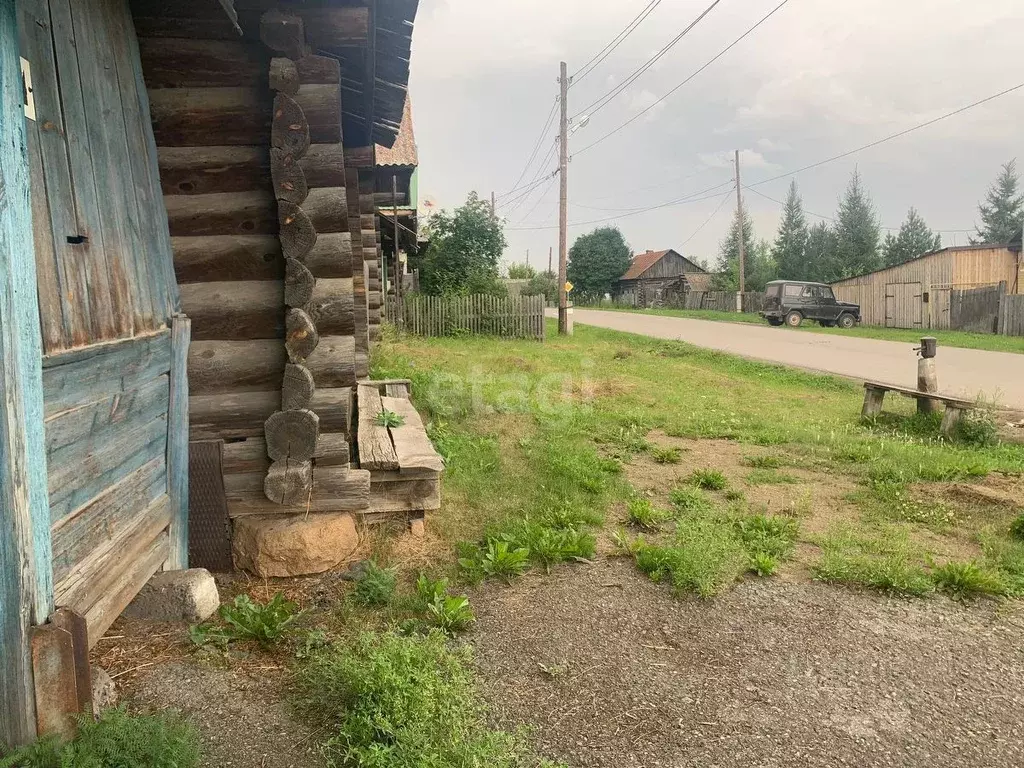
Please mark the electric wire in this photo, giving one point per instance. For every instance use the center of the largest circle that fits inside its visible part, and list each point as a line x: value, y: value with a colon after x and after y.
x: 605, y: 52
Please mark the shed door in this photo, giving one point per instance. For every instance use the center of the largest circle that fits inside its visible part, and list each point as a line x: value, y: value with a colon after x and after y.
x: 904, y: 305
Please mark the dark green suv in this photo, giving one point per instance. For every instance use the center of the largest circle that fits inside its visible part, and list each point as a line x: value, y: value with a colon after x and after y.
x: 791, y: 302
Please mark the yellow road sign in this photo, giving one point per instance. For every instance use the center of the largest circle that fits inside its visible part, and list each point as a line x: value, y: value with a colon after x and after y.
x: 568, y: 287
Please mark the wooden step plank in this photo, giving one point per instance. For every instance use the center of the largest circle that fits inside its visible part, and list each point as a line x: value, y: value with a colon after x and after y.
x: 412, y: 446
x: 405, y: 496
x: 376, y: 451
x: 335, y: 489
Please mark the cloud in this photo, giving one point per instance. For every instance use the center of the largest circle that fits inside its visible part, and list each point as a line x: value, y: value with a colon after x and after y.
x: 645, y: 99
x: 770, y: 145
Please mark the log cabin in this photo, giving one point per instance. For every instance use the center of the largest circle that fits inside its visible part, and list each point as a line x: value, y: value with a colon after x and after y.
x: 656, y: 278
x: 188, y: 278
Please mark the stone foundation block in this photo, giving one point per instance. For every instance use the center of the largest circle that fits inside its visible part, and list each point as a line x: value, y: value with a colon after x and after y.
x: 176, y: 596
x: 294, y: 545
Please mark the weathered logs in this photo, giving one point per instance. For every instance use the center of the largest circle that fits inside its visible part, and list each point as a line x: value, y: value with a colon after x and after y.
x: 301, y: 339
x: 284, y: 76
x: 288, y: 178
x: 212, y: 258
x: 358, y: 157
x: 235, y: 366
x: 229, y: 213
x: 299, y: 286
x: 292, y: 435
x: 331, y: 306
x: 244, y: 414
x: 319, y: 69
x: 192, y: 63
x: 327, y: 208
x: 234, y: 310
x: 331, y: 256
x: 289, y: 129
x: 298, y: 235
x: 283, y: 32
x: 335, y: 489
x: 324, y: 165
x: 326, y: 28
x: 333, y: 361
x: 289, y: 482
x: 298, y: 387
x: 332, y: 450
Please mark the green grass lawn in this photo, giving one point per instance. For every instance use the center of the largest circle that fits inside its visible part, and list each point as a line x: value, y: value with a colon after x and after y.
x: 984, y: 341
x: 541, y: 439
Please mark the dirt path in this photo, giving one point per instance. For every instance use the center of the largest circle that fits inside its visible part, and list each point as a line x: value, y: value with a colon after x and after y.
x: 969, y: 372
x: 613, y: 671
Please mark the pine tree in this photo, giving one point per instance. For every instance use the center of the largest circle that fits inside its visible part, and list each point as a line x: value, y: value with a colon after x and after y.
x: 857, y: 232
x: 728, y: 278
x: 1002, y: 213
x: 820, y: 254
x: 914, y: 239
x: 758, y: 263
x: 790, y: 246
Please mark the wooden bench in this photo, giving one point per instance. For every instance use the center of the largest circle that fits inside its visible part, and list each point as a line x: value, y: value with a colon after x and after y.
x: 874, y: 395
x: 405, y: 468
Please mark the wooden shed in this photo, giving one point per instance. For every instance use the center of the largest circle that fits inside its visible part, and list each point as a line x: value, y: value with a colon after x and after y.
x: 176, y: 171
x: 653, y: 277
x: 397, y: 196
x: 917, y: 294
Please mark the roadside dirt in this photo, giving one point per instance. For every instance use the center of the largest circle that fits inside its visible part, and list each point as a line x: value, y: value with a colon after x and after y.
x: 770, y: 674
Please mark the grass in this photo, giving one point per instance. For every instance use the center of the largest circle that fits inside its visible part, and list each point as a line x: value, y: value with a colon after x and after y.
x: 116, y: 740
x: 389, y: 700
x: 243, y: 619
x: 967, y: 579
x: 662, y: 455
x: 375, y: 586
x: 963, y: 339
x: 535, y: 438
x: 708, y: 480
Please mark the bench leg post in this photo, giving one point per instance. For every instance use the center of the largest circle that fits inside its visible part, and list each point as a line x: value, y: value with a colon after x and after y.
x: 950, y: 419
x: 872, y: 403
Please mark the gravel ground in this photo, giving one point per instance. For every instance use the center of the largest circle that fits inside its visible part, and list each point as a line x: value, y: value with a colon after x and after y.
x: 612, y: 670
x: 241, y: 717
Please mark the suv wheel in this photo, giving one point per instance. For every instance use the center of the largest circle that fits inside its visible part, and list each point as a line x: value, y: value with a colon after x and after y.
x: 793, y: 319
x: 846, y: 321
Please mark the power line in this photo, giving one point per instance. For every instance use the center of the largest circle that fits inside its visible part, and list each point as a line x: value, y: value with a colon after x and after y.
x: 711, y: 61
x: 896, y: 135
x: 536, y: 149
x: 630, y: 210
x: 538, y: 176
x: 539, y: 201
x: 707, y: 221
x: 681, y: 201
x: 602, y: 102
x: 605, y: 52
x: 832, y: 219
x: 526, y: 190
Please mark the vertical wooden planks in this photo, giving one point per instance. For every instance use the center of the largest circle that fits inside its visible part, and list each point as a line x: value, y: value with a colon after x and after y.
x: 26, y: 580
x: 177, y: 444
x: 106, y: 307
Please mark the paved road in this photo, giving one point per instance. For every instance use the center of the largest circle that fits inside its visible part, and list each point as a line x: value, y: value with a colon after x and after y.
x: 968, y: 372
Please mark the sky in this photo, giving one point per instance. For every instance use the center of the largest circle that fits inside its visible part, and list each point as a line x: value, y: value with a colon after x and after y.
x: 818, y: 78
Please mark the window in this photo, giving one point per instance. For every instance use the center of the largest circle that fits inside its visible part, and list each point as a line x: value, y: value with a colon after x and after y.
x: 811, y: 292
x: 826, y: 293
x: 772, y: 290
x: 794, y: 290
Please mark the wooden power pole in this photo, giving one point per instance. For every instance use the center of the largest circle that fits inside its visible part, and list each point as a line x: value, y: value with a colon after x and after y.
x: 493, y: 207
x: 563, y: 206
x: 550, y: 252
x: 398, y: 258
x: 739, y: 219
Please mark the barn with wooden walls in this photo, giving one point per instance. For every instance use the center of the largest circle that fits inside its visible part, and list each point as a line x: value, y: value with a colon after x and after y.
x: 917, y: 294
x: 173, y: 171
x: 656, y: 277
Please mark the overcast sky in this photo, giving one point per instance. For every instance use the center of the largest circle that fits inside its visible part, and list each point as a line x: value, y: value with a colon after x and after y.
x: 818, y: 78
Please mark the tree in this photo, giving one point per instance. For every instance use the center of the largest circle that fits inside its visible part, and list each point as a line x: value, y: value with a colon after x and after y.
x: 521, y: 272
x: 543, y: 283
x: 758, y: 264
x: 596, y: 261
x: 914, y: 239
x: 465, y: 246
x: 1002, y: 213
x: 820, y: 253
x: 790, y: 246
x: 857, y: 232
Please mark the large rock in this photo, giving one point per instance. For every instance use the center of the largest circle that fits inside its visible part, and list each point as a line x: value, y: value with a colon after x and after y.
x: 294, y: 545
x: 176, y: 596
x: 104, y: 691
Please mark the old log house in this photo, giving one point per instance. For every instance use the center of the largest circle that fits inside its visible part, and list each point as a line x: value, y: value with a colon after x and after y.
x: 174, y: 171
x: 657, y: 278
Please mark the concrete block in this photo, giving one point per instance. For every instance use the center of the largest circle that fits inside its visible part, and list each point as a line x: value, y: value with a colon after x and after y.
x: 294, y: 545
x: 176, y: 596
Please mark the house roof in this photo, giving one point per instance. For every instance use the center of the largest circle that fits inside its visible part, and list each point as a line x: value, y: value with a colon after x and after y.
x: 700, y: 281
x: 644, y: 261
x: 403, y: 153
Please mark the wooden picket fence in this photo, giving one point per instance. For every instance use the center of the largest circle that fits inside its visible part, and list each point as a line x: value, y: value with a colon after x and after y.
x: 1011, y: 316
x: 988, y: 309
x: 513, y: 317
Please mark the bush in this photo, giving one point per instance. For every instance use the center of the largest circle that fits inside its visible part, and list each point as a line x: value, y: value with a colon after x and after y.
x: 375, y: 586
x: 977, y: 427
x: 116, y: 740
x: 394, y: 701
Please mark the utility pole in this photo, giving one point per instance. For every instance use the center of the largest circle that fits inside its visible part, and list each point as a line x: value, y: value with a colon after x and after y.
x: 398, y: 259
x: 527, y: 257
x: 550, y: 252
x: 493, y: 207
x: 739, y: 219
x: 563, y: 207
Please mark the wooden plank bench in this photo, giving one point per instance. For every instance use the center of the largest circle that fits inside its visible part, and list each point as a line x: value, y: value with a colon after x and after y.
x: 874, y: 395
x: 405, y: 468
